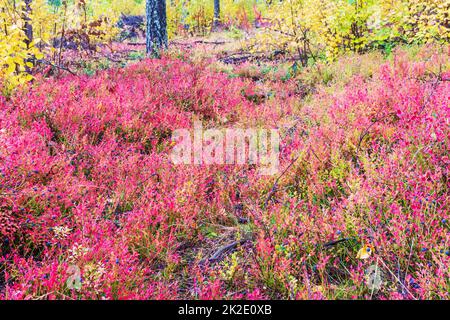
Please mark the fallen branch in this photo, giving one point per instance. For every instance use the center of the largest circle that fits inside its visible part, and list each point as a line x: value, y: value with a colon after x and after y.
x: 222, y: 250
x: 335, y: 242
x: 198, y: 42
x: 236, y: 59
x: 56, y: 66
x: 211, y: 42
x: 239, y: 57
x: 135, y: 43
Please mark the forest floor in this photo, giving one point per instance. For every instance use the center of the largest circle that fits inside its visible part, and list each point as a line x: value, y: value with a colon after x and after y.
x: 226, y: 47
x: 363, y: 180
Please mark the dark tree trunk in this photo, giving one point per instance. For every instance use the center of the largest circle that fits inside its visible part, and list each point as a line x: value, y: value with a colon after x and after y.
x: 216, y: 21
x: 156, y: 34
x: 28, y: 28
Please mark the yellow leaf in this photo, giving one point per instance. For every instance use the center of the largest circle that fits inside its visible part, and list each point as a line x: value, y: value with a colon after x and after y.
x: 39, y: 55
x: 11, y: 68
x: 365, y: 252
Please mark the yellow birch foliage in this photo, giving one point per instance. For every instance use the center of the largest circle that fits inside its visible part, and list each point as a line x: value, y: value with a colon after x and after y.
x: 332, y: 27
x: 15, y: 53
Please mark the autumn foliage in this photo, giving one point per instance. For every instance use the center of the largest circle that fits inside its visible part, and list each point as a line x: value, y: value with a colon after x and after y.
x: 86, y: 180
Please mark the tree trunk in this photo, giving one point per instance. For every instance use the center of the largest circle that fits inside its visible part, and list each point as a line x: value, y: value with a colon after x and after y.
x: 216, y: 21
x: 156, y: 34
x: 28, y: 28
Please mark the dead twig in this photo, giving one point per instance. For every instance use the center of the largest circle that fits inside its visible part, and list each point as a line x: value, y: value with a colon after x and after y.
x: 396, y: 278
x: 274, y: 188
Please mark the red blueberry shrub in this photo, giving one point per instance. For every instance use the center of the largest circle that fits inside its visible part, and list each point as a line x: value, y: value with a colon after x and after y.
x: 86, y: 180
